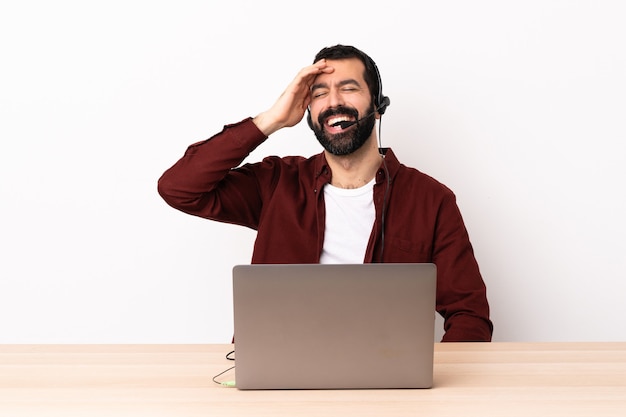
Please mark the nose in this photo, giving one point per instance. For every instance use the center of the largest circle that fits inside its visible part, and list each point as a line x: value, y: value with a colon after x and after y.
x: 335, y: 98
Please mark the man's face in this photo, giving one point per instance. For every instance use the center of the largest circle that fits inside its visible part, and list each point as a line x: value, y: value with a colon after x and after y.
x: 341, y: 96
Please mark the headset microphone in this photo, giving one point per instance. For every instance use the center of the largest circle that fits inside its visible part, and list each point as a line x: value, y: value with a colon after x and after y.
x: 346, y: 124
x: 382, y: 106
x: 380, y: 110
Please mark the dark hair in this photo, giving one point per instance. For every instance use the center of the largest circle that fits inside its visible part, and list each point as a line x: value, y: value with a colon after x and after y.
x: 371, y: 76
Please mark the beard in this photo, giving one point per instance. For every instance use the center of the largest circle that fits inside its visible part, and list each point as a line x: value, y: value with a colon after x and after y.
x: 348, y: 141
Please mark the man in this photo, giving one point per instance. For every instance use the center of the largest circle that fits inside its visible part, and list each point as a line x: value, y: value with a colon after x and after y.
x: 352, y: 203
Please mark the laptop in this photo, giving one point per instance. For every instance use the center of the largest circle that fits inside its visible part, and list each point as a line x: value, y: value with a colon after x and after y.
x: 320, y: 326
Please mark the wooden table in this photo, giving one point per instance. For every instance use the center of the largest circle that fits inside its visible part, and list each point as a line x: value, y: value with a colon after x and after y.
x: 471, y: 379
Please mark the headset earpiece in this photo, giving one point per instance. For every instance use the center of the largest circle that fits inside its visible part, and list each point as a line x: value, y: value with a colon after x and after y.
x: 381, y: 101
x: 383, y: 105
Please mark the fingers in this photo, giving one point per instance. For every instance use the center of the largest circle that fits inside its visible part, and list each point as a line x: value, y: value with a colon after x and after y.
x: 301, y: 85
x: 297, y: 94
x: 308, y: 74
x: 290, y: 107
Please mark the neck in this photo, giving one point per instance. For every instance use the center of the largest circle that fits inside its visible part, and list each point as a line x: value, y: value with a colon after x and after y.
x: 357, y: 169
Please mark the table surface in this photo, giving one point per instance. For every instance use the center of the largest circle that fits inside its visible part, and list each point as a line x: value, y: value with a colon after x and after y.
x: 470, y: 379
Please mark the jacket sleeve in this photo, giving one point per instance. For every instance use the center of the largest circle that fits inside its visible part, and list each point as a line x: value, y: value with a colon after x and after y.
x: 204, y: 183
x: 461, y: 291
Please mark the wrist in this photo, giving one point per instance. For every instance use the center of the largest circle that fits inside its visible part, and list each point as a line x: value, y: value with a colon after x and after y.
x: 266, y: 124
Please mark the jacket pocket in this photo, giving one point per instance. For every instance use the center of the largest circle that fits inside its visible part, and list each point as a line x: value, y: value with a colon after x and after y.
x: 404, y: 251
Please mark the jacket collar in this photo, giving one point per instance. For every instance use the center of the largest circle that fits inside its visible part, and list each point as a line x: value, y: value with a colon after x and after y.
x: 388, y: 166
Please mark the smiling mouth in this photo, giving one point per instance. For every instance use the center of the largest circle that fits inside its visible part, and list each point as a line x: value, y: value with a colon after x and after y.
x: 339, y: 122
x: 336, y: 121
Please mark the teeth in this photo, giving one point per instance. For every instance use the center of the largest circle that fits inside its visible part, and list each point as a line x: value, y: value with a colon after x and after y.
x: 334, y: 120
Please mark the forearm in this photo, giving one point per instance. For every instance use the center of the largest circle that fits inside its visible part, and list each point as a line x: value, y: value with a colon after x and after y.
x: 204, y: 165
x: 467, y: 328
x: 462, y: 294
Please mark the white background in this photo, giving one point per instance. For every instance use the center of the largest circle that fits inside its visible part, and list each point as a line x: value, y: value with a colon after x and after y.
x: 518, y: 106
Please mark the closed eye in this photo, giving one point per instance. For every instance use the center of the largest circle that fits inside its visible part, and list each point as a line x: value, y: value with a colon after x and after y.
x: 346, y: 86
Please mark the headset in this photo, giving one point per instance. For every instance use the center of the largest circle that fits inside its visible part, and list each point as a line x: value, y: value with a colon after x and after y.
x: 381, y: 102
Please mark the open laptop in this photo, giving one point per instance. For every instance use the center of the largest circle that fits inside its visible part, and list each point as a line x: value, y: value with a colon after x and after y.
x: 314, y: 326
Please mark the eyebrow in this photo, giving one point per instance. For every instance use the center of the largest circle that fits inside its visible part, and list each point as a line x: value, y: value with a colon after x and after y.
x: 340, y: 84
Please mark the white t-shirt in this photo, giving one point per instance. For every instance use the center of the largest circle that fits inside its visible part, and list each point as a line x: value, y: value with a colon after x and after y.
x: 350, y: 215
